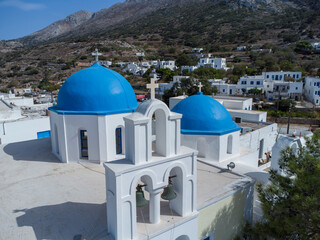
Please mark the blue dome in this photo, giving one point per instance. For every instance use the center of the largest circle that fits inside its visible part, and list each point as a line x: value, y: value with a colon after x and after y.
x: 203, y: 115
x: 96, y: 90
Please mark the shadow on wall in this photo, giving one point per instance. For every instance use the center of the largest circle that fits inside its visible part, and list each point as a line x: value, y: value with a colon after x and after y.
x: 34, y: 150
x: 66, y: 220
x: 229, y: 220
x: 261, y: 177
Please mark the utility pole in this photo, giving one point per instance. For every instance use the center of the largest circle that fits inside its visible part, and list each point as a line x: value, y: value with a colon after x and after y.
x: 289, y: 118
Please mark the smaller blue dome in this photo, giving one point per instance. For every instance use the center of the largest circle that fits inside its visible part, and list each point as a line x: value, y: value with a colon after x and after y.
x: 203, y: 115
x: 96, y: 91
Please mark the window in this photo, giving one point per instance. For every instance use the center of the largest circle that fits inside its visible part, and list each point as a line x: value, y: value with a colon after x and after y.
x: 251, y: 82
x: 272, y: 77
x: 296, y: 88
x: 317, y: 101
x: 258, y: 82
x: 84, y: 143
x: 267, y: 76
x: 294, y: 76
x: 280, y: 77
x: 118, y: 141
x: 223, y: 90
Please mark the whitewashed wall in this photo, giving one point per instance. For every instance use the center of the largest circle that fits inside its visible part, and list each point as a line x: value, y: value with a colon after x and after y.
x: 23, y: 130
x: 213, y: 147
x: 101, y: 136
x: 254, y: 116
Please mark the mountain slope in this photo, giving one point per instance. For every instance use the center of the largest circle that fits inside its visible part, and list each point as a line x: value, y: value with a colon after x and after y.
x: 84, y: 23
x: 60, y: 27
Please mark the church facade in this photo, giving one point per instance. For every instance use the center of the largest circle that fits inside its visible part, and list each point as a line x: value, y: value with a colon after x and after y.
x: 87, y: 123
x: 156, y: 186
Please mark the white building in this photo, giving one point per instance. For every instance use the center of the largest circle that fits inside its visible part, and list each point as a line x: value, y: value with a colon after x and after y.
x: 224, y: 89
x: 188, y: 68
x: 167, y: 64
x: 197, y: 50
x: 217, y: 63
x: 134, y: 68
x: 281, y: 76
x: 215, y: 136
x: 87, y: 123
x: 246, y: 141
x: 140, y: 54
x: 237, y: 103
x: 249, y: 82
x: 283, y: 142
x: 283, y: 90
x: 312, y: 89
x: 241, y: 48
x: 316, y: 46
x: 105, y: 63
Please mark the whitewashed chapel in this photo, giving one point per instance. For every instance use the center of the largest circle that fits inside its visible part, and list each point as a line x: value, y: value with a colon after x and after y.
x: 156, y: 185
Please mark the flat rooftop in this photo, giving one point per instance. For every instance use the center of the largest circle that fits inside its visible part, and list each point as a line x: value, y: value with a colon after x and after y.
x: 231, y: 98
x: 249, y: 112
x: 254, y: 125
x: 42, y: 198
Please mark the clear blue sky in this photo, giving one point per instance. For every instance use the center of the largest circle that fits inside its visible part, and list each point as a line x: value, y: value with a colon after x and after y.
x: 19, y: 18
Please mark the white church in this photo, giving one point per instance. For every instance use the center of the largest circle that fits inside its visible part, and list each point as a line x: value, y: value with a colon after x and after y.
x: 163, y: 168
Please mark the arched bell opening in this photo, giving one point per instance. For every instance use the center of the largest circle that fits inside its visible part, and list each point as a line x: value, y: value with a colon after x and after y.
x: 172, y: 195
x: 159, y: 132
x: 144, y: 200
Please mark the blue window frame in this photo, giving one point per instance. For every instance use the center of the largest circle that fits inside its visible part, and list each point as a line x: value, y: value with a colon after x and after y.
x: 267, y: 76
x: 118, y: 141
x: 251, y: 82
x: 84, y: 143
x: 258, y: 82
x: 44, y: 134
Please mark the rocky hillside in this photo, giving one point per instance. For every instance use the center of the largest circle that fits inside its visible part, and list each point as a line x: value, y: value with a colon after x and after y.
x: 56, y: 29
x: 83, y: 23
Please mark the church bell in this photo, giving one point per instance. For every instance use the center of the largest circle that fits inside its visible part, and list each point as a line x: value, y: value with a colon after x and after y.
x: 168, y: 192
x: 140, y: 200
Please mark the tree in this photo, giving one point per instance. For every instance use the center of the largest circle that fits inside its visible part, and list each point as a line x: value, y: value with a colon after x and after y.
x: 186, y: 60
x: 290, y: 202
x: 303, y: 46
x: 284, y: 105
x: 255, y: 91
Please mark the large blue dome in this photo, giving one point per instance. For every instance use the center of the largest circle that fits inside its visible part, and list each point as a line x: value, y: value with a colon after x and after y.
x: 96, y: 90
x: 203, y: 115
